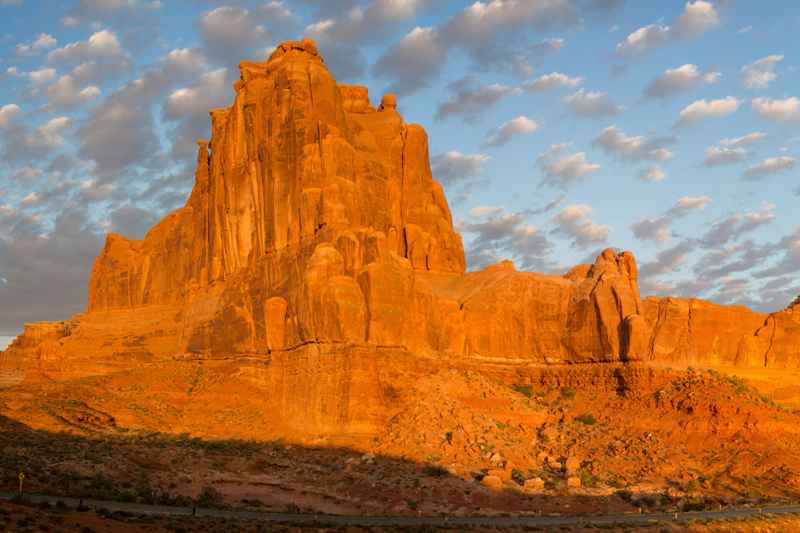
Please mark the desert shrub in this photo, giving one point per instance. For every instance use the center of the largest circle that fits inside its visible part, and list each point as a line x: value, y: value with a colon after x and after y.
x: 435, y: 471
x: 412, y: 504
x: 695, y: 504
x: 210, y: 497
x: 518, y: 476
x: 586, y: 418
x: 568, y: 393
x: 525, y: 390
x: 625, y: 495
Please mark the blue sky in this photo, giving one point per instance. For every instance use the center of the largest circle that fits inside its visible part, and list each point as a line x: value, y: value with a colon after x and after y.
x: 558, y: 127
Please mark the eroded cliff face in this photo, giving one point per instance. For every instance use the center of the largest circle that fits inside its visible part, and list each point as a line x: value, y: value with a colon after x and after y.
x: 315, y: 221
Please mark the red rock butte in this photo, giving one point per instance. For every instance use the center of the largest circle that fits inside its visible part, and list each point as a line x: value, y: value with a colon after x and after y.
x: 315, y: 236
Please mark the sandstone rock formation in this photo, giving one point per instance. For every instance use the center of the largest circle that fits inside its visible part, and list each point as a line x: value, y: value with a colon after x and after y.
x: 315, y: 221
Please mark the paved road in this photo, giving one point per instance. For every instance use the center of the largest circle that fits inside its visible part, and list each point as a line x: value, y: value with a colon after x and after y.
x: 406, y: 521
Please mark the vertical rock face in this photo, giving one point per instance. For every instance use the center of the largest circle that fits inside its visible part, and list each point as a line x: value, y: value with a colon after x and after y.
x: 315, y: 219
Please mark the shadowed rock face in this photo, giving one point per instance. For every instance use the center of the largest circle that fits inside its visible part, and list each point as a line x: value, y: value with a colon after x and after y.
x: 315, y: 220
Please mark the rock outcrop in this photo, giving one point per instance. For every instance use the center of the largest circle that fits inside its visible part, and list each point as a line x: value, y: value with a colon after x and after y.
x: 315, y: 220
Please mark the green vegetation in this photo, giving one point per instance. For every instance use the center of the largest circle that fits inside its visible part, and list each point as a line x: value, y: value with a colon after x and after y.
x: 586, y: 418
x: 435, y: 471
x: 210, y: 497
x: 568, y: 393
x: 525, y: 390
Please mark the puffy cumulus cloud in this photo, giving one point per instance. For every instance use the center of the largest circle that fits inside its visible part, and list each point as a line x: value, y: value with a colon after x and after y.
x: 677, y: 80
x: 188, y: 107
x: 698, y: 17
x: 43, y: 41
x: 101, y: 44
x: 659, y: 229
x: 8, y: 112
x: 734, y: 226
x: 666, y: 261
x: 788, y: 248
x: 206, y: 94
x: 614, y: 141
x: 592, y: 104
x: 358, y: 23
x: 575, y: 222
x: 521, y: 125
x: 468, y: 100
x: 493, y: 34
x: 723, y: 155
x: 497, y: 235
x: 771, y: 165
x: 414, y: 61
x: 563, y: 169
x: 230, y: 34
x: 87, y: 10
x: 455, y: 167
x: 652, y: 174
x: 652, y: 229
x: 45, y: 269
x: 554, y: 80
x: 778, y: 110
x: 51, y: 131
x: 477, y: 25
x: 120, y: 132
x: 704, y: 109
x: 42, y: 75
x: 66, y: 93
x: 131, y: 221
x: 760, y: 73
x: 25, y: 144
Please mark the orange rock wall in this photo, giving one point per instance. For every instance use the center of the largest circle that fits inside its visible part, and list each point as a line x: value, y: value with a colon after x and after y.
x: 315, y: 221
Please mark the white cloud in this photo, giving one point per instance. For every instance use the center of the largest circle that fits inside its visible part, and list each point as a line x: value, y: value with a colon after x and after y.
x: 652, y: 174
x: 230, y: 33
x: 676, y: 80
x: 659, y: 229
x: 575, y: 221
x: 499, y: 235
x: 199, y: 98
x: 7, y: 112
x: 43, y: 41
x: 482, y: 211
x: 52, y: 130
x: 771, y: 165
x: 703, y: 109
x: 66, y: 92
x: 690, y: 203
x: 469, y: 100
x: 592, y: 104
x: 101, y: 44
x: 723, y: 155
x: 744, y: 140
x: 453, y: 167
x: 42, y: 76
x: 554, y: 80
x: 698, y: 17
x: 562, y: 169
x: 760, y: 73
x: 614, y: 141
x: 785, y: 110
x: 517, y: 126
x: 413, y: 61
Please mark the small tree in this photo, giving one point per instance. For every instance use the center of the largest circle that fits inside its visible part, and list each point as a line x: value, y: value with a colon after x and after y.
x: 796, y: 301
